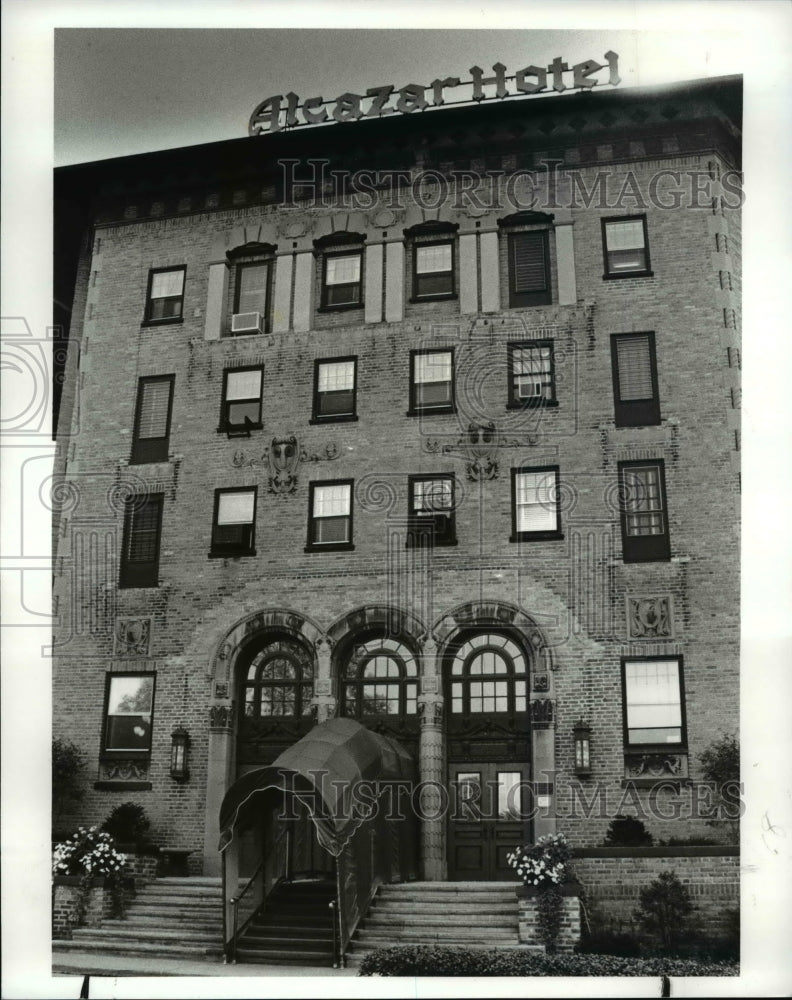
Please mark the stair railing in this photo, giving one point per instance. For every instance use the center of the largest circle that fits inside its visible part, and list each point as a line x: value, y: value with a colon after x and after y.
x: 231, y: 947
x: 333, y: 904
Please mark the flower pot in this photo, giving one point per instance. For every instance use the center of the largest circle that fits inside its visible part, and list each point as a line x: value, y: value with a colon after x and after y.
x: 532, y: 891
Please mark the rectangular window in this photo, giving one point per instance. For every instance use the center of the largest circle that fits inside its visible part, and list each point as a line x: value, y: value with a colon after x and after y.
x: 626, y: 247
x: 152, y: 419
x: 330, y: 516
x: 129, y: 706
x: 433, y: 270
x: 535, y: 504
x: 241, y: 406
x: 644, y: 518
x: 141, y: 543
x: 531, y: 374
x: 529, y: 269
x: 635, y: 393
x: 335, y: 389
x: 233, y: 527
x: 251, y: 298
x: 342, y: 285
x: 431, y: 381
x: 431, y: 518
x: 165, y: 298
x: 653, y: 704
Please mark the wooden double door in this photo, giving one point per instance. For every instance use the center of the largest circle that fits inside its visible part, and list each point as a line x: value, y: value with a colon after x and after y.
x: 490, y: 806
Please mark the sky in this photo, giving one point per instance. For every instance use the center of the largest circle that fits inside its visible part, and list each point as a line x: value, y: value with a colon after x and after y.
x: 120, y: 91
x: 92, y: 79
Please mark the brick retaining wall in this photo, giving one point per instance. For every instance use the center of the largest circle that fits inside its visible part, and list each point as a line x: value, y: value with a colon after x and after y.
x: 612, y: 879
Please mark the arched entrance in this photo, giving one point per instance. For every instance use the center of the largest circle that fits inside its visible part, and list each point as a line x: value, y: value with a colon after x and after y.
x: 488, y: 740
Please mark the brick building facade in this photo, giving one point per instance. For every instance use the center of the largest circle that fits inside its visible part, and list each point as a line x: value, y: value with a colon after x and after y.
x: 455, y: 453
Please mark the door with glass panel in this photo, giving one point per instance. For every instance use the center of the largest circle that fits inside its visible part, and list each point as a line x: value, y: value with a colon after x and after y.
x: 489, y: 742
x: 489, y: 809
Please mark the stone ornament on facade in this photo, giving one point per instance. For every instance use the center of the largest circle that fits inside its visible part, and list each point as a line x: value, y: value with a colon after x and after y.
x: 542, y: 711
x: 221, y: 717
x: 431, y: 712
x: 540, y: 682
x: 658, y: 765
x: 123, y: 770
x: 649, y: 617
x: 283, y: 459
x: 479, y: 447
x: 132, y: 636
x: 221, y: 689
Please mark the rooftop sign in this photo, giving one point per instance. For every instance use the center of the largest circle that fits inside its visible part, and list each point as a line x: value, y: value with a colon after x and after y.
x: 279, y: 112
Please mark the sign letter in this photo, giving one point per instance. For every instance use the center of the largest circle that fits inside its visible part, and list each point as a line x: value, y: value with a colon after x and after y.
x: 347, y: 108
x: 583, y: 71
x: 266, y: 116
x: 478, y: 81
x: 411, y: 98
x: 531, y: 88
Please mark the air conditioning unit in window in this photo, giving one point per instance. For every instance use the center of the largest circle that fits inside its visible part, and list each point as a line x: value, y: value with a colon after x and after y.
x: 531, y: 390
x: 252, y: 322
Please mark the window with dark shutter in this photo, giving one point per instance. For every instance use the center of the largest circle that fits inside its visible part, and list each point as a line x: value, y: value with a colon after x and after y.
x: 644, y: 516
x: 140, y: 551
x: 529, y: 269
x: 634, y: 380
x: 152, y: 419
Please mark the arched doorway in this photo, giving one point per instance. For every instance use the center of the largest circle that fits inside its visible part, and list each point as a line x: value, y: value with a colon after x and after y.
x: 486, y: 679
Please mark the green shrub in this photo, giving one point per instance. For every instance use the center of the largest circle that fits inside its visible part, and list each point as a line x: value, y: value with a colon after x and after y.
x: 610, y: 943
x: 129, y: 824
x: 665, y: 909
x: 436, y: 960
x: 68, y: 763
x: 721, y: 766
x: 627, y: 831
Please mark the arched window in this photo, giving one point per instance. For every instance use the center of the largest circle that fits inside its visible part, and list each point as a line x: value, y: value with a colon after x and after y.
x: 381, y: 678
x: 489, y: 674
x: 279, y: 681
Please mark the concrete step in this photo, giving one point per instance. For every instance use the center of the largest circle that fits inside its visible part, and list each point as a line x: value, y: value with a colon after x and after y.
x: 154, y: 891
x: 145, y: 922
x: 266, y: 956
x: 442, y: 908
x: 452, y: 887
x: 476, y: 921
x: 129, y: 946
x: 209, y: 911
x: 119, y: 929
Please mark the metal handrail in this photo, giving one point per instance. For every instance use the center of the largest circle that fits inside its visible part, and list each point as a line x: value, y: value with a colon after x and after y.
x: 234, y: 902
x: 333, y: 904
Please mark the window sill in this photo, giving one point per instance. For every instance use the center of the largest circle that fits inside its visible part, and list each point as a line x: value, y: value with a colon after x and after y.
x: 113, y: 756
x: 637, y: 423
x: 231, y: 555
x: 163, y: 322
x: 149, y: 461
x: 345, y: 418
x: 334, y: 547
x: 628, y: 274
x: 645, y: 559
x: 345, y: 308
x: 138, y: 586
x: 123, y: 786
x: 239, y: 430
x: 667, y: 782
x: 537, y: 536
x: 529, y: 404
x: 432, y: 544
x: 243, y: 336
x: 430, y: 411
x: 440, y: 297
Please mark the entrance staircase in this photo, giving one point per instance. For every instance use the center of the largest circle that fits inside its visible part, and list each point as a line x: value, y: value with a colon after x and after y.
x: 471, y: 914
x: 294, y: 928
x: 168, y: 918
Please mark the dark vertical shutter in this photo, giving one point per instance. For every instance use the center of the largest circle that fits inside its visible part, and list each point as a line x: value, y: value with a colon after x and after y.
x: 152, y: 420
x: 528, y: 252
x: 140, y: 552
x: 154, y: 405
x: 635, y: 368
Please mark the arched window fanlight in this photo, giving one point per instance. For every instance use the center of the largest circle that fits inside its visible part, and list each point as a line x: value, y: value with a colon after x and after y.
x: 279, y: 681
x: 381, y: 678
x: 489, y: 674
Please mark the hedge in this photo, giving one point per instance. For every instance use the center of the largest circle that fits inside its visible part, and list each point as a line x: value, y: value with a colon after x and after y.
x: 438, y: 960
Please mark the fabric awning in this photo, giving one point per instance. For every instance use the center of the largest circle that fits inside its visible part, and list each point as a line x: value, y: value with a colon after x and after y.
x: 325, y: 770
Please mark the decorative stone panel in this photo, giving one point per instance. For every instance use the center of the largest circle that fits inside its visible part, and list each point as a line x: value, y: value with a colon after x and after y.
x: 650, y: 617
x: 132, y: 636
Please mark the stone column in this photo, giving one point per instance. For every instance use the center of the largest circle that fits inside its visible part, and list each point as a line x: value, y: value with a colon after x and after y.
x: 221, y: 723
x: 431, y: 766
x: 323, y: 702
x: 543, y: 738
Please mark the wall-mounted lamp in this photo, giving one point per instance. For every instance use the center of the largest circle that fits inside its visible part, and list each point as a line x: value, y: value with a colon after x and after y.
x: 582, y: 733
x: 180, y: 742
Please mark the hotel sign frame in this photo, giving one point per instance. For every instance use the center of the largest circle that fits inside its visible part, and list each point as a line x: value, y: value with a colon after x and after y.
x: 278, y: 112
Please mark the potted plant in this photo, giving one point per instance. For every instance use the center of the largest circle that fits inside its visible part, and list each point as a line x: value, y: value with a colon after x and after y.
x: 129, y: 827
x: 88, y: 860
x: 546, y: 878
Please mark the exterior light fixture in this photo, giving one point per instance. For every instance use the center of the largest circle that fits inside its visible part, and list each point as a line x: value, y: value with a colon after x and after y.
x: 180, y: 742
x: 582, y: 733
